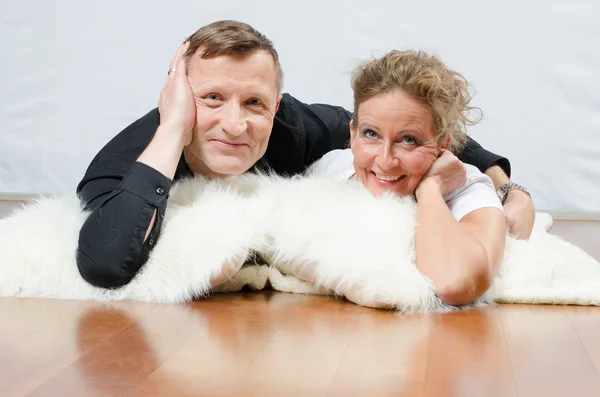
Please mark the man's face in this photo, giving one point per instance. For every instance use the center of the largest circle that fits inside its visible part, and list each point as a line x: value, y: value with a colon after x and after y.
x: 236, y: 101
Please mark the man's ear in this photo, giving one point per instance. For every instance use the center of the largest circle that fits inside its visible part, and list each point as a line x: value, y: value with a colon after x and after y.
x: 277, y: 104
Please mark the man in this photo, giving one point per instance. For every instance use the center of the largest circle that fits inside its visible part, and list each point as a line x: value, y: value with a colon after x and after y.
x: 221, y: 112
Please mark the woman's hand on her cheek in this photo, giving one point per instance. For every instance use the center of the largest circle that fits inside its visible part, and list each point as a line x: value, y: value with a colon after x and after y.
x: 447, y: 172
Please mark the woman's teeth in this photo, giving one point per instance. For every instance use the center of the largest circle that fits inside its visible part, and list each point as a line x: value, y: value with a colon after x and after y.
x: 387, y: 178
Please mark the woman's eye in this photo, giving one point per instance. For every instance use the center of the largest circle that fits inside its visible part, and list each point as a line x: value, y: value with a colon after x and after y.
x: 369, y: 134
x: 409, y: 140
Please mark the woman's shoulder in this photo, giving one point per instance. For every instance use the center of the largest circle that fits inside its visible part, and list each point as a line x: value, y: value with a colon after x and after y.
x: 337, y: 164
x: 478, y: 192
x: 476, y: 176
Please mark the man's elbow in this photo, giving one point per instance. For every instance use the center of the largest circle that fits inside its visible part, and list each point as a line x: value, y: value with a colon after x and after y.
x: 102, y: 270
x: 466, y: 288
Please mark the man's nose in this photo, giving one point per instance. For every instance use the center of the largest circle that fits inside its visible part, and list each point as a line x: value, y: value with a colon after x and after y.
x: 233, y: 121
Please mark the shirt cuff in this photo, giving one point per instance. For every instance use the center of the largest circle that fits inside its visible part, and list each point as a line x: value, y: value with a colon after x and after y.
x: 147, y: 183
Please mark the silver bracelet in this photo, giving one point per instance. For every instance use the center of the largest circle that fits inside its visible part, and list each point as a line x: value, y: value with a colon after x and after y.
x: 503, y: 190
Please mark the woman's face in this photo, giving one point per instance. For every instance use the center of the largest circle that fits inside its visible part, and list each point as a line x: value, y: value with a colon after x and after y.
x: 393, y: 143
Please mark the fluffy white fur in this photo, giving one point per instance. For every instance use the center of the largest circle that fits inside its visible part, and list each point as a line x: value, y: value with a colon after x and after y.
x: 319, y: 236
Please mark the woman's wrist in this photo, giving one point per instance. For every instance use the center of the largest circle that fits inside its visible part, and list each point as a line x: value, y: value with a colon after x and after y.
x: 427, y: 187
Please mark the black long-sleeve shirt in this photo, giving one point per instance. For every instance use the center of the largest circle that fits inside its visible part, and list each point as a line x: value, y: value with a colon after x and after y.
x: 122, y: 194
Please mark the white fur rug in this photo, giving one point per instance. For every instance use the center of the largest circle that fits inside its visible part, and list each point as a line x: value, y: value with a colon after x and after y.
x: 319, y: 236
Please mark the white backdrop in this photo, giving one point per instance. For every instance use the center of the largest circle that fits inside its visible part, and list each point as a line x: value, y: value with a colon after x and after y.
x: 74, y: 73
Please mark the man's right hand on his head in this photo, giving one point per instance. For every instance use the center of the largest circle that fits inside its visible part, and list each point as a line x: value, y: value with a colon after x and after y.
x: 176, y: 104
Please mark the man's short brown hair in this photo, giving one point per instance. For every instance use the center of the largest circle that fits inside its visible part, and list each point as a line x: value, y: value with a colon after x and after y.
x: 232, y: 38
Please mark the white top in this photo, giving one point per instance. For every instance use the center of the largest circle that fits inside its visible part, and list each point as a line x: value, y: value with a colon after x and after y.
x: 477, y: 193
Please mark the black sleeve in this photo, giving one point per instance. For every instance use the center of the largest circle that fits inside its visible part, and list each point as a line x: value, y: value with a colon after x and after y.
x: 325, y: 127
x: 122, y: 195
x: 481, y: 158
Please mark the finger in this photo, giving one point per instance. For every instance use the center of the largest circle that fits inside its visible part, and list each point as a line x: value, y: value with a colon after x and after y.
x: 178, y: 56
x: 182, y: 64
x: 184, y: 47
x: 181, y: 52
x: 180, y: 68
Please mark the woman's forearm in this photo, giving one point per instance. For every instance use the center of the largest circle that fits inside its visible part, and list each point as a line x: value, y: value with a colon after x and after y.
x: 447, y: 254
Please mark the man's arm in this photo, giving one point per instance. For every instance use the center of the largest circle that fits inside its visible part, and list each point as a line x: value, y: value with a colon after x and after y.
x: 519, y: 209
x: 127, y: 185
x: 127, y: 196
x: 483, y: 159
x: 122, y: 195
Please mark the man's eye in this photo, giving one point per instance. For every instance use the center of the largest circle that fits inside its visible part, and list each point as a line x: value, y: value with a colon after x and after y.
x: 213, y: 97
x: 254, y: 102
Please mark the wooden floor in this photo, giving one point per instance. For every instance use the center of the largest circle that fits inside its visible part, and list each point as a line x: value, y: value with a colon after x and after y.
x: 276, y: 344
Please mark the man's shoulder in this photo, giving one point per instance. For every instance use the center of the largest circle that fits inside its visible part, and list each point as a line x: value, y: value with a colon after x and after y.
x: 290, y: 106
x: 306, y: 131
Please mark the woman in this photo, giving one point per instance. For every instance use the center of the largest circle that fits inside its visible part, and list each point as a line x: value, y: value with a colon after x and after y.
x: 410, y: 113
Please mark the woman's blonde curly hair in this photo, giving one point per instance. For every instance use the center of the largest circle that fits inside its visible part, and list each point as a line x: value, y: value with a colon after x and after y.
x: 426, y: 78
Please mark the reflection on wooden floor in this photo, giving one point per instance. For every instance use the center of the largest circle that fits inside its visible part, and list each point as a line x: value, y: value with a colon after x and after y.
x: 275, y: 344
